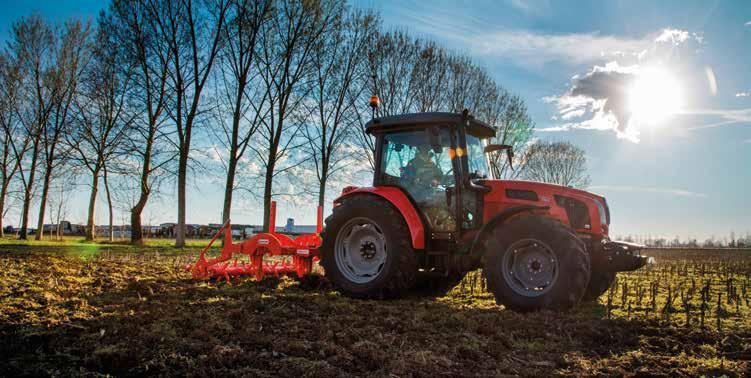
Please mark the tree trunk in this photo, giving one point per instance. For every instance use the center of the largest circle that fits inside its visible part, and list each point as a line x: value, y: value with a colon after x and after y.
x: 2, y: 211
x: 322, y: 187
x: 267, y: 190
x: 58, y: 229
x: 43, y: 201
x: 90, y: 226
x: 23, y: 235
x: 136, y: 230
x: 3, y: 193
x: 232, y: 166
x: 109, y: 204
x: 181, y: 183
x: 229, y: 187
x: 136, y: 233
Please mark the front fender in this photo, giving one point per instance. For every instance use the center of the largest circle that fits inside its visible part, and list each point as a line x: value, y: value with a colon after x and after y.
x: 498, y: 219
x: 401, y: 202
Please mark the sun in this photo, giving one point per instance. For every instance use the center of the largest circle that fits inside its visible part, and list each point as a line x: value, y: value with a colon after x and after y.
x: 655, y: 96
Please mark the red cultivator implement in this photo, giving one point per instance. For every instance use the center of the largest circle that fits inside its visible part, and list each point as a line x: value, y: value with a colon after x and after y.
x: 303, y: 250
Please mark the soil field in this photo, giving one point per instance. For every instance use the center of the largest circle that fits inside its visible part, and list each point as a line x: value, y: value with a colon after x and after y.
x: 71, y: 312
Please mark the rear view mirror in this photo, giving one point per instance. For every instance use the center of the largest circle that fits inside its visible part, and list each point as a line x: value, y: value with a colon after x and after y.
x: 500, y: 147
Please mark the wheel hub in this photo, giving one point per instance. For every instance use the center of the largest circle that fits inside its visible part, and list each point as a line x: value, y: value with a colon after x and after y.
x: 360, y: 250
x: 530, y: 267
x: 368, y: 250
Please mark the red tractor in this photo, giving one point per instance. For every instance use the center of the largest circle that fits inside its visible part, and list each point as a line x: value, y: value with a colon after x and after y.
x: 435, y: 212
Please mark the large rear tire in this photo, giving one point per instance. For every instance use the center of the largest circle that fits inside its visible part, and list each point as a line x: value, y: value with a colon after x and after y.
x: 535, y: 263
x: 367, y: 250
x: 599, y: 283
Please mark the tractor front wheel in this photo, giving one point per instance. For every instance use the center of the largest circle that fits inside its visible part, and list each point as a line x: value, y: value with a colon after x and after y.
x: 535, y: 263
x: 367, y: 250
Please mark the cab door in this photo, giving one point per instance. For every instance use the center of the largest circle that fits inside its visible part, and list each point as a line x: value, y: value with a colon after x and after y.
x: 419, y: 162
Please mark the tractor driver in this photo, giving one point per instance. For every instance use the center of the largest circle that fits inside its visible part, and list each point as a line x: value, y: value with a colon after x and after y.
x: 422, y: 175
x: 422, y: 179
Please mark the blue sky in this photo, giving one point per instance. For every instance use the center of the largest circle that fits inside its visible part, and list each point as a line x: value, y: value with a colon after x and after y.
x: 688, y: 174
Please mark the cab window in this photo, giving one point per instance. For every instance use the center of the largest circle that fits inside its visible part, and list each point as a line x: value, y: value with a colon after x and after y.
x: 418, y: 161
x: 477, y: 158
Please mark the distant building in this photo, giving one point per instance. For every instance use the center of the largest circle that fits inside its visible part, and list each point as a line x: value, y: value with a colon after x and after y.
x: 291, y: 229
x: 168, y: 230
x: 121, y: 231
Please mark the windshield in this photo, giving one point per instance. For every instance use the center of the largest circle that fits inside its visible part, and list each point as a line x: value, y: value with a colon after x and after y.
x: 478, y: 160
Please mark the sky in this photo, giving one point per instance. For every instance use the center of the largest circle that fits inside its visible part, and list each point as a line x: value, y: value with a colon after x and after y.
x: 658, y: 94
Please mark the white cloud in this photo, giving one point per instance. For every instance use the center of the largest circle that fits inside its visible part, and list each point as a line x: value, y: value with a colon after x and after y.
x: 598, y: 99
x: 673, y: 36
x: 743, y: 94
x: 601, y: 93
x: 216, y: 153
x: 526, y: 47
x: 724, y: 116
x: 748, y: 23
x: 552, y: 129
x: 643, y: 189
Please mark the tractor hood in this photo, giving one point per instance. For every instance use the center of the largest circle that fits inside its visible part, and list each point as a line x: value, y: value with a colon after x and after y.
x: 584, y: 211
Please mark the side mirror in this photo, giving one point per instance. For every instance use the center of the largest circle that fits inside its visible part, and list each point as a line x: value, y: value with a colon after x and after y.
x: 500, y: 147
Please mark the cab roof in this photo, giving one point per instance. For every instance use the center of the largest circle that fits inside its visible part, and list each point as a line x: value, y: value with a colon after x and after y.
x: 417, y: 120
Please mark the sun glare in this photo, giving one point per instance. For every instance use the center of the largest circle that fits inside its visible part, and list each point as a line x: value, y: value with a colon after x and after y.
x: 655, y: 96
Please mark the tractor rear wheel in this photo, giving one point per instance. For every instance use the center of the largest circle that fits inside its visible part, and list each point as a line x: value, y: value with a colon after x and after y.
x: 599, y: 283
x: 535, y: 263
x: 367, y: 250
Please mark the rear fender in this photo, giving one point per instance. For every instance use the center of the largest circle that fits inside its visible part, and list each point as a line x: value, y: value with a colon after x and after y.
x: 499, y: 218
x: 401, y: 202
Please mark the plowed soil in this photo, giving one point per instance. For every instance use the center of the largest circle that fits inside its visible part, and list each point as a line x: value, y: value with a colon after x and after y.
x: 133, y: 314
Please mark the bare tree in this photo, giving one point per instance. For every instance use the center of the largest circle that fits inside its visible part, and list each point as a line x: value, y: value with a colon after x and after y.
x: 32, y: 49
x: 285, y: 61
x: 429, y: 76
x: 392, y: 59
x: 60, y: 192
x: 9, y: 87
x: 70, y: 61
x: 241, y: 32
x: 337, y: 61
x: 515, y: 128
x: 103, y: 119
x: 559, y: 163
x: 192, y: 34
x: 137, y: 33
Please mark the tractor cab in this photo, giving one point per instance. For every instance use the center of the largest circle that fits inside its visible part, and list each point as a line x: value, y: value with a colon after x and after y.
x: 437, y: 159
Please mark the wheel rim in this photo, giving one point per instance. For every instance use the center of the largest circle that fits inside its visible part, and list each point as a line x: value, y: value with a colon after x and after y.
x: 360, y: 250
x: 530, y: 267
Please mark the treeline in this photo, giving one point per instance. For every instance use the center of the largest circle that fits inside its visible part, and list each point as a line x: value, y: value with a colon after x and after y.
x: 730, y: 241
x: 156, y: 92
